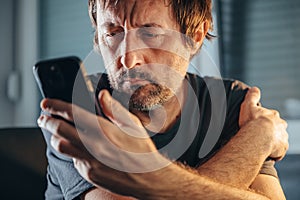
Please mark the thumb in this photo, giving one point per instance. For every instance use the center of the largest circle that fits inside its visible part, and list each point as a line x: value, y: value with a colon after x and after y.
x: 115, y: 111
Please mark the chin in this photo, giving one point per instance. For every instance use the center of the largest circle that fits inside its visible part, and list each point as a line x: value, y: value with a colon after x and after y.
x: 149, y: 97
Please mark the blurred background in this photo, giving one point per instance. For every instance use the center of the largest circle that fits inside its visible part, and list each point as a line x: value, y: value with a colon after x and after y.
x: 258, y: 42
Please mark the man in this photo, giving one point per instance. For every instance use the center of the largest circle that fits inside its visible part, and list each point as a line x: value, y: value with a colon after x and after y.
x: 146, y: 46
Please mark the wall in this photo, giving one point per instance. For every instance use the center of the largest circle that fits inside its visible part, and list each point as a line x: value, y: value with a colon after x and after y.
x: 26, y: 109
x: 6, y: 60
x: 18, y: 51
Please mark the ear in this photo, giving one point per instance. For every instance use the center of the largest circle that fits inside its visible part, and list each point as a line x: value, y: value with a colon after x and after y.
x: 200, y: 35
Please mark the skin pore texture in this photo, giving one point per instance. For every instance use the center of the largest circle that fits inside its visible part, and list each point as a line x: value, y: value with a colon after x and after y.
x: 146, y: 60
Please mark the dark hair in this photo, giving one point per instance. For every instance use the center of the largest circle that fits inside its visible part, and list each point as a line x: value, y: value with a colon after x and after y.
x: 189, y: 14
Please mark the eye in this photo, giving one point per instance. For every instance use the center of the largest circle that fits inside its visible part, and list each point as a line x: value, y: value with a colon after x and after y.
x: 114, y: 34
x: 152, y: 36
x: 110, y: 34
x: 112, y: 39
x: 150, y: 32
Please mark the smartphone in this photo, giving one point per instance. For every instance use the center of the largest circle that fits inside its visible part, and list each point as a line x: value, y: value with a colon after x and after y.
x: 66, y: 79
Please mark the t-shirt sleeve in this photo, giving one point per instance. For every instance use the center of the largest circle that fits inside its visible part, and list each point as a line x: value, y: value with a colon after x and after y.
x: 235, y: 95
x: 63, y: 180
x: 236, y: 92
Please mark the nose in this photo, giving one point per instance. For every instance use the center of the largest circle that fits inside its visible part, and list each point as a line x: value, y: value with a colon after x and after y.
x: 131, y: 54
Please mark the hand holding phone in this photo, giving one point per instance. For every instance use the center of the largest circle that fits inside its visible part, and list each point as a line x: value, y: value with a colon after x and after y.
x: 65, y: 79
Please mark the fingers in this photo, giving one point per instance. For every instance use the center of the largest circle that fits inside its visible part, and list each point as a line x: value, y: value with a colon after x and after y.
x: 57, y: 107
x: 65, y: 138
x: 59, y: 128
x: 121, y: 117
x: 66, y: 147
x: 82, y: 119
x: 250, y: 108
x: 253, y: 96
x: 279, y: 152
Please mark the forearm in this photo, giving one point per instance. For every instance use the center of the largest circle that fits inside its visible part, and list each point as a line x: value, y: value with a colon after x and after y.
x: 98, y: 193
x: 239, y: 161
x: 170, y: 182
x: 177, y: 183
x: 269, y: 186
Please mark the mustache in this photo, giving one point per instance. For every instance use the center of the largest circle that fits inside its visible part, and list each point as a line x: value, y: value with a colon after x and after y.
x: 132, y: 74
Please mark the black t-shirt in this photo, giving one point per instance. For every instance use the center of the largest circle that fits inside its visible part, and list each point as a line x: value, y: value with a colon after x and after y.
x: 209, y: 118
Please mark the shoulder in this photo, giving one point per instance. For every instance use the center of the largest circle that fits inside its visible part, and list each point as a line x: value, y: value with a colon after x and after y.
x: 215, y: 85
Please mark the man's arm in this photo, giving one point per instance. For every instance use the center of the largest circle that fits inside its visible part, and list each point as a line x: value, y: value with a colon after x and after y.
x: 98, y: 193
x: 168, y: 183
x: 239, y: 161
x: 264, y: 184
x: 163, y: 184
x: 269, y: 186
x: 239, y: 165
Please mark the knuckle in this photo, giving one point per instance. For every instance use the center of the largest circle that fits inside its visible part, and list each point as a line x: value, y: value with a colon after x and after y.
x: 58, y: 127
x: 54, y: 142
x: 68, y: 114
x: 276, y: 113
x: 92, y: 170
x: 47, y: 120
x: 285, y: 124
x: 91, y: 174
x: 58, y: 144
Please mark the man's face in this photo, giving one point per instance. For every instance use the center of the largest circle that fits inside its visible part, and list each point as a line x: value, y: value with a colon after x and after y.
x: 143, y: 51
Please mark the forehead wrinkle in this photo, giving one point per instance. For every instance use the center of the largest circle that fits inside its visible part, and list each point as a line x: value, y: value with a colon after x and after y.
x: 117, y: 14
x: 137, y: 15
x: 132, y: 12
x: 110, y: 16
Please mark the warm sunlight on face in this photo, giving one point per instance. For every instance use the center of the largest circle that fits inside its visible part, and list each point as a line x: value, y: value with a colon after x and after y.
x: 143, y: 50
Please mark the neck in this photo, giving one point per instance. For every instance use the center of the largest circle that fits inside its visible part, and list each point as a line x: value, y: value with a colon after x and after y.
x: 165, y: 116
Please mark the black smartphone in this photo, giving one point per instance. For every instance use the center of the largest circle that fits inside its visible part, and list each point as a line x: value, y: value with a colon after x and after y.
x: 65, y: 79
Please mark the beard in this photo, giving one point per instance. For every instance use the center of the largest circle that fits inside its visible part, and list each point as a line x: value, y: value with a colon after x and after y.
x: 146, y: 95
x: 149, y: 97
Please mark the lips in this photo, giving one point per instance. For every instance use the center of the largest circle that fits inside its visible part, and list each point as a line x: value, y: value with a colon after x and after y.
x: 136, y: 81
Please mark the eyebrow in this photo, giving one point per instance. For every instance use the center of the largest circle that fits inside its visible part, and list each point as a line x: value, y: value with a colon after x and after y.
x: 107, y: 24
x: 151, y: 25
x: 111, y: 25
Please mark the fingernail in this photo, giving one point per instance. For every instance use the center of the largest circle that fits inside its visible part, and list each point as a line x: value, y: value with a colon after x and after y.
x: 46, y: 105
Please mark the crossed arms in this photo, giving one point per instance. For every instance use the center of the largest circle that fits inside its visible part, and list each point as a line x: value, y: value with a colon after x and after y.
x: 230, y: 174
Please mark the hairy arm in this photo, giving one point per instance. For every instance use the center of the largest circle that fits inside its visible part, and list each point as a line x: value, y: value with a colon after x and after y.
x: 174, y: 182
x: 268, y: 185
x: 234, y: 165
x: 169, y: 182
x: 239, y: 161
x: 103, y: 194
x: 263, y: 134
x: 239, y: 166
